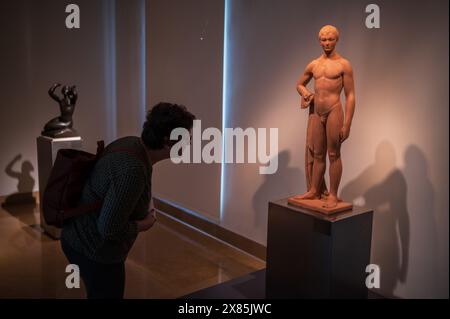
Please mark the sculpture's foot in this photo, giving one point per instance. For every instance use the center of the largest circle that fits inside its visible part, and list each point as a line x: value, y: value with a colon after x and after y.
x: 307, y: 195
x: 331, y: 201
x: 324, y: 196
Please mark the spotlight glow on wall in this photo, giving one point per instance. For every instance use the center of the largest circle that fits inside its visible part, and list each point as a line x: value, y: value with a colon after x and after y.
x: 224, y: 104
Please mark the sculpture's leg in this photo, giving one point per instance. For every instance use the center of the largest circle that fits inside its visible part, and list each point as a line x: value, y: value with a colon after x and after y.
x: 309, y: 154
x: 52, y: 124
x: 333, y: 128
x: 56, y: 124
x: 309, y: 158
x: 319, y: 148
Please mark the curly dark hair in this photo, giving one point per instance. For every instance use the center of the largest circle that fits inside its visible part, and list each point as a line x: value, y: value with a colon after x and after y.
x: 161, y: 119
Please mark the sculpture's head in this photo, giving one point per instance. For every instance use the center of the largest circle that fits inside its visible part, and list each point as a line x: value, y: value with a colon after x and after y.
x: 328, y: 37
x: 65, y: 90
x: 69, y: 94
x: 72, y: 93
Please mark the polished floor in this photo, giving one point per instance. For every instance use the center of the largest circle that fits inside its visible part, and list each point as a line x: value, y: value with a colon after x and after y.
x: 169, y: 261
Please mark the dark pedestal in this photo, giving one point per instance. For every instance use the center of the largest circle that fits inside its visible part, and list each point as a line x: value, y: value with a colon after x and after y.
x: 311, y: 255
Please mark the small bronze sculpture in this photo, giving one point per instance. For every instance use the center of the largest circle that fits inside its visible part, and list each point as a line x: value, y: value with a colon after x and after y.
x: 62, y: 126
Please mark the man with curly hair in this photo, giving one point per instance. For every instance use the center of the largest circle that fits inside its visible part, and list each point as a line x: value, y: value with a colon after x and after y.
x: 99, y: 242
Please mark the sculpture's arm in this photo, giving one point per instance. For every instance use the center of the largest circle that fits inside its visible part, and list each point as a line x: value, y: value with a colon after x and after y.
x: 304, y: 80
x: 52, y: 93
x: 349, y: 90
x: 306, y: 95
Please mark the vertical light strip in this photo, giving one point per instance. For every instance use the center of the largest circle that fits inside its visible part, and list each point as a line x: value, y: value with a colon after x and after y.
x: 110, y: 67
x: 143, y: 62
x: 224, y: 105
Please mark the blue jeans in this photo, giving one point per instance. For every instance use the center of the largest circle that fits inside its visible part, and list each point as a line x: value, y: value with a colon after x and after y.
x: 102, y: 281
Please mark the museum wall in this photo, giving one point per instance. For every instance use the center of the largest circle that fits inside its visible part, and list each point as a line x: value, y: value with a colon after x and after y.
x: 103, y: 58
x: 396, y: 159
x: 184, y: 65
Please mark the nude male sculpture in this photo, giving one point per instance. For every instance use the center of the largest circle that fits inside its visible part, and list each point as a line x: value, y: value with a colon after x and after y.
x: 329, y: 128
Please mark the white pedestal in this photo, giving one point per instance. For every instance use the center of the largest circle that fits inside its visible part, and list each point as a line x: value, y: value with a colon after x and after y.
x: 47, y: 148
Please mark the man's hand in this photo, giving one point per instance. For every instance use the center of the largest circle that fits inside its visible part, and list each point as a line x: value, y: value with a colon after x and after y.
x: 147, y: 223
x: 344, y: 133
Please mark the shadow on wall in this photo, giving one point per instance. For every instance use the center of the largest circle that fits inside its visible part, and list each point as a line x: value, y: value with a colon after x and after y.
x: 22, y: 203
x: 285, y: 182
x: 383, y: 187
x: 421, y: 204
x: 386, y: 189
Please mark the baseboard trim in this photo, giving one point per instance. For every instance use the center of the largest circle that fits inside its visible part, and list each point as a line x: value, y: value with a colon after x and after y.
x: 249, y: 246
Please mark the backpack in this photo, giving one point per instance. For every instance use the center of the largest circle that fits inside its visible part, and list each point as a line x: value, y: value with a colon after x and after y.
x: 68, y: 176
